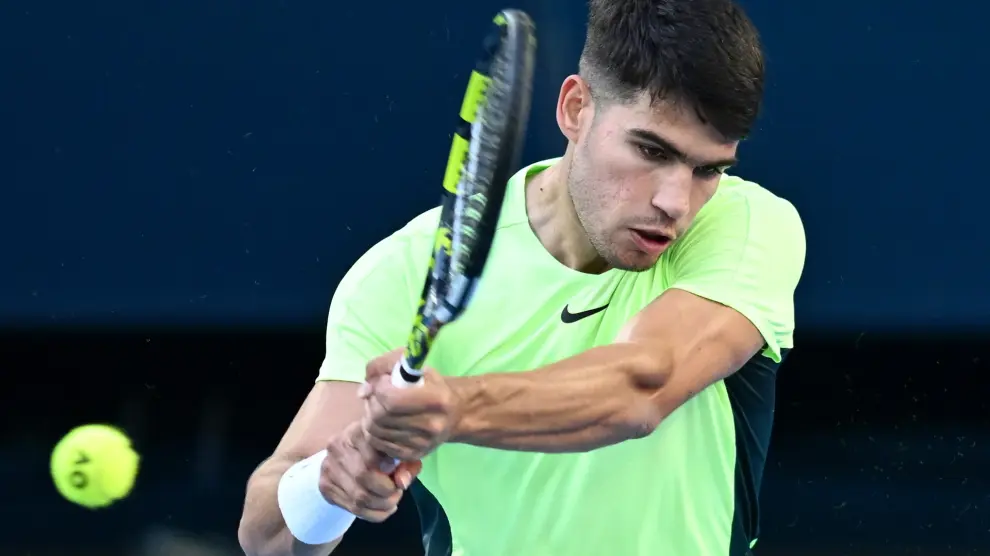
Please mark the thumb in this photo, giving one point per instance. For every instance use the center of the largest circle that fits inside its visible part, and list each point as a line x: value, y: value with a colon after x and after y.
x: 382, y: 365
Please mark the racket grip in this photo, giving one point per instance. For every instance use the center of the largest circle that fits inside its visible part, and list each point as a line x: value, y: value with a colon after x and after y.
x: 404, y: 376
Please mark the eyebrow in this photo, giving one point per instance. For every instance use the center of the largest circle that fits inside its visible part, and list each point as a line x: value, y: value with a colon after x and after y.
x: 672, y: 150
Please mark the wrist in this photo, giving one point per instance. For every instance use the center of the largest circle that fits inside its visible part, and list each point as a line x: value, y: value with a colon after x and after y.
x: 468, y: 395
x: 307, y: 514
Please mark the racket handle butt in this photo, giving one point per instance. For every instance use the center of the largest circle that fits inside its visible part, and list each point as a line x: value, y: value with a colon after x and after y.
x: 405, y: 377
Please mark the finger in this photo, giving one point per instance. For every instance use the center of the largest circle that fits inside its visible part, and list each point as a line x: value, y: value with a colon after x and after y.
x: 421, y: 428
x: 431, y: 376
x: 336, y: 486
x: 377, y: 417
x: 406, y: 441
x: 410, y: 436
x: 383, y: 465
x: 364, y: 391
x: 370, y: 475
x: 370, y: 507
x: 369, y: 494
x: 373, y: 516
x: 371, y: 458
x: 406, y: 473
x: 407, y: 401
x: 377, y: 423
x: 368, y: 501
x: 378, y: 485
x: 388, y: 451
x: 382, y: 365
x: 400, y: 445
x: 401, y: 452
x: 371, y: 413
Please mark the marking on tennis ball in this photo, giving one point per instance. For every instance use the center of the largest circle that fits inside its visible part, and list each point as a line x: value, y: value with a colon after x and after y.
x: 79, y: 479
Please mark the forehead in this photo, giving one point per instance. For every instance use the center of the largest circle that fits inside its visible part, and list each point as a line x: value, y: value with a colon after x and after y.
x: 677, y: 123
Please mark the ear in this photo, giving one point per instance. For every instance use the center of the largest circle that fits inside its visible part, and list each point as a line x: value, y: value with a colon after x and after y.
x: 574, y: 106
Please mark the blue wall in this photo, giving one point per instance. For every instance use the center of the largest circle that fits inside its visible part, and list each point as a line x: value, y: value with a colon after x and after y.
x: 221, y: 162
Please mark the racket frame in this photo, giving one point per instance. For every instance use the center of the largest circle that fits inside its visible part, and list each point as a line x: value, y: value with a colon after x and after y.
x: 476, y: 149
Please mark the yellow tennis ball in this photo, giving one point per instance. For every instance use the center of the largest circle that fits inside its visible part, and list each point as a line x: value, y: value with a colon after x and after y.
x: 94, y: 465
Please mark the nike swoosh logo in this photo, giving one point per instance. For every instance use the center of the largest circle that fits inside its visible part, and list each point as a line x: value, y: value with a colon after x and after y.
x: 569, y: 317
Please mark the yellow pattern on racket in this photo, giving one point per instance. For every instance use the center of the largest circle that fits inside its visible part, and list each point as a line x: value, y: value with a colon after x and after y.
x: 506, y: 62
x: 473, y: 98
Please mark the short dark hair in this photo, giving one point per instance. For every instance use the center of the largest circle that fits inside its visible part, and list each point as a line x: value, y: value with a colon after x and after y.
x: 705, y: 53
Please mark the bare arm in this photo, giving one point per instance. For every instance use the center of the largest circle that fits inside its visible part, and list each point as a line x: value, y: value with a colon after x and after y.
x: 733, y: 280
x: 328, y: 409
x: 673, y: 349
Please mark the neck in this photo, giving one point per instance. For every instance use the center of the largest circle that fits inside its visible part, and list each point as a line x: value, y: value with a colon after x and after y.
x: 554, y: 221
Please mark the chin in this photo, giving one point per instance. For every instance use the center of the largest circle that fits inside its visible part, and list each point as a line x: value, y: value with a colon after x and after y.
x: 634, y: 262
x: 626, y: 254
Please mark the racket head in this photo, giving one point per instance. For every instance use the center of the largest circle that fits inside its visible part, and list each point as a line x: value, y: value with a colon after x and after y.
x: 497, y: 136
x: 485, y: 152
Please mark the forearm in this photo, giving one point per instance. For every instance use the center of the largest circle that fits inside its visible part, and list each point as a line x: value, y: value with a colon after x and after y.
x: 262, y: 531
x: 584, y: 402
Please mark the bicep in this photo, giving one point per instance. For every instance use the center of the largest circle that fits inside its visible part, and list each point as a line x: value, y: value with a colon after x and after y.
x: 728, y: 294
x: 747, y: 253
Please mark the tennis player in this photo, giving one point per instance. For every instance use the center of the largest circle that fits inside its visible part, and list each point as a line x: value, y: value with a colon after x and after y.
x: 610, y: 389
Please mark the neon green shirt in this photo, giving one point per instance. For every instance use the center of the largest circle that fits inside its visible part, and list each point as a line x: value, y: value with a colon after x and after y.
x: 690, y: 488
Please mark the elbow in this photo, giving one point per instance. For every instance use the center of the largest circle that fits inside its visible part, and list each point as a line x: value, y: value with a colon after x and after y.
x: 247, y: 531
x: 248, y: 545
x: 248, y: 538
x: 647, y: 376
x: 257, y: 535
x: 641, y: 419
x: 254, y: 543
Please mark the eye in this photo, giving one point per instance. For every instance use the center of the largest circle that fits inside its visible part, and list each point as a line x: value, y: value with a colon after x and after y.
x: 651, y: 152
x: 709, y: 172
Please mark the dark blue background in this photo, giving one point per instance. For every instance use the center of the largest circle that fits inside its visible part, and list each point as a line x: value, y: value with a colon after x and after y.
x: 224, y: 162
x: 196, y: 175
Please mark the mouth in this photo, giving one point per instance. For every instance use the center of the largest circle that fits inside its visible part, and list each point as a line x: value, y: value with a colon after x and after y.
x: 650, y: 241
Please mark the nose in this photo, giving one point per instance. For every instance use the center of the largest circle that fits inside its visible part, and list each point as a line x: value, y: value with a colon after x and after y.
x: 673, y: 193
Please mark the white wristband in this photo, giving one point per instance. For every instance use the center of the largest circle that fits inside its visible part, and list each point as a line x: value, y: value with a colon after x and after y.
x: 307, y: 514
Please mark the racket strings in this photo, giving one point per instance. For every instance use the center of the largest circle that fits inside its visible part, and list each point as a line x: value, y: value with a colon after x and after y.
x: 473, y: 210
x: 486, y: 151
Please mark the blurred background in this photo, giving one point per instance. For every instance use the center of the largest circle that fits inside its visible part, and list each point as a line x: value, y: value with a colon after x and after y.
x: 183, y: 183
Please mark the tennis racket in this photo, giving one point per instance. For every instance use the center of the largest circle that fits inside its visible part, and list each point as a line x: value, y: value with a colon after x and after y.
x: 486, y: 151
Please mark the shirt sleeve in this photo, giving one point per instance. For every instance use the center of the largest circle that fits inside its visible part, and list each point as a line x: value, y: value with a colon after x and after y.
x: 746, y: 251
x: 373, y: 307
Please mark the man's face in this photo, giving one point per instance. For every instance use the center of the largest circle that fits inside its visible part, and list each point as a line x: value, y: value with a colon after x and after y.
x: 639, y: 174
